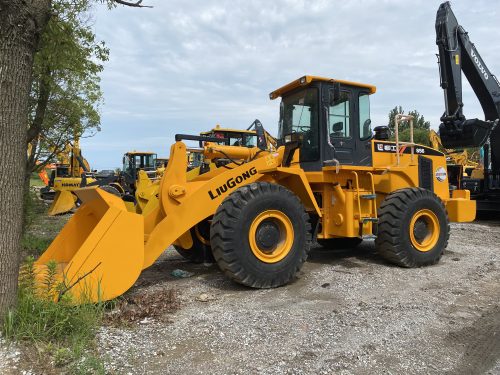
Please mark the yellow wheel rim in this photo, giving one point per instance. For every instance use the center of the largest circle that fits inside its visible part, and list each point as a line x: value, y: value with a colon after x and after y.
x: 271, y: 236
x: 424, y: 230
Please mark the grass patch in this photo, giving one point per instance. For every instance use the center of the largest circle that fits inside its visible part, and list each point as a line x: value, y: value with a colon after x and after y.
x: 35, y: 181
x: 62, y: 331
x: 34, y: 245
x: 39, y: 229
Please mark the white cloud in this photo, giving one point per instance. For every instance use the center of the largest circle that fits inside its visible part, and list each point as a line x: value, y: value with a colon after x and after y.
x: 184, y: 66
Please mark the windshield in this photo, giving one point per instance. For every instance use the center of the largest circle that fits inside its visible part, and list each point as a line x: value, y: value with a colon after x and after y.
x: 238, y: 139
x: 299, y: 114
x: 138, y: 161
x: 195, y: 159
x: 247, y: 140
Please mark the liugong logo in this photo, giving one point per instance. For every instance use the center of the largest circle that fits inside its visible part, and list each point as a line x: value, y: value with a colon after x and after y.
x: 231, y: 183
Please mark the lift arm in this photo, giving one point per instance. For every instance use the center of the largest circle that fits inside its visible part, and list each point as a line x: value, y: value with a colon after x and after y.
x: 458, y: 54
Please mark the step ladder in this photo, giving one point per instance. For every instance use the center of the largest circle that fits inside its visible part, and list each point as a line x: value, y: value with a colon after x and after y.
x: 371, y: 216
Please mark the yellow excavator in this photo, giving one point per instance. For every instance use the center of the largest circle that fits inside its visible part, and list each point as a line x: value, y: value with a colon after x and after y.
x: 331, y: 178
x: 72, y: 173
x: 67, y: 177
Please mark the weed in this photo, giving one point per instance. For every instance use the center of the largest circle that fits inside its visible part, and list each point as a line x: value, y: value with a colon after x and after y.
x: 62, y: 357
x: 88, y: 365
x: 38, y: 319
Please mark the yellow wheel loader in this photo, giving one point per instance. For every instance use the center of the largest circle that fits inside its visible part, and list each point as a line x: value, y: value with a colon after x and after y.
x: 254, y: 136
x: 330, y: 178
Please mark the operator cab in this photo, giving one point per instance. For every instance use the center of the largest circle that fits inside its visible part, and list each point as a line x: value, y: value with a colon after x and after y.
x: 330, y: 118
x: 135, y: 161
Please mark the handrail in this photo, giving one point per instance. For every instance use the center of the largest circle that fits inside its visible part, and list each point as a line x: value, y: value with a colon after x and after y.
x: 397, y: 120
x: 374, y: 205
x: 357, y: 194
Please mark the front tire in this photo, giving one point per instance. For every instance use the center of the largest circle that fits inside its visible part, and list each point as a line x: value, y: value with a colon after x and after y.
x: 201, y: 251
x: 413, y: 228
x: 261, y: 235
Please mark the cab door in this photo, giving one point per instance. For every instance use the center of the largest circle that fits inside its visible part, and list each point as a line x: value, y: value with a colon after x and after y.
x: 340, y: 122
x: 364, y: 134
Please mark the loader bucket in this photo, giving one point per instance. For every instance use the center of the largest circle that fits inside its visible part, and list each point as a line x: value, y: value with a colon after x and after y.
x: 64, y: 201
x: 100, y: 251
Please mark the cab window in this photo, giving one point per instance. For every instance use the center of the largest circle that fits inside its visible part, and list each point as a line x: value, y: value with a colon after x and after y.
x: 339, y: 117
x: 299, y: 114
x: 365, y: 128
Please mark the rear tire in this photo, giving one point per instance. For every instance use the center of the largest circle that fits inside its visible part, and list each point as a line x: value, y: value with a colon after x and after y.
x: 200, y: 252
x: 340, y: 243
x: 413, y: 228
x: 261, y: 235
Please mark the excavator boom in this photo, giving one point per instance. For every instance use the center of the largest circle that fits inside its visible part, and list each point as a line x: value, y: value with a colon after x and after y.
x: 458, y: 54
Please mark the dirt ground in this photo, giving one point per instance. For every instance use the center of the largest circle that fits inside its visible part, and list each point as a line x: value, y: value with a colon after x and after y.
x: 348, y: 313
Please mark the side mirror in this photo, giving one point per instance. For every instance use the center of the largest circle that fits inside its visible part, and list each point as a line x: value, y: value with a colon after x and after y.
x: 334, y: 94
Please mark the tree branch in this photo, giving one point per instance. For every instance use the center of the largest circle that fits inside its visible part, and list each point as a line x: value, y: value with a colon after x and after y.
x: 67, y: 288
x: 41, y: 107
x: 137, y: 4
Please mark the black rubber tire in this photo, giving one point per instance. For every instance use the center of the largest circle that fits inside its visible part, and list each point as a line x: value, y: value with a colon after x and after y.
x: 340, y: 243
x: 230, y: 228
x: 395, y: 214
x: 47, y: 194
x: 199, y: 252
x: 111, y: 189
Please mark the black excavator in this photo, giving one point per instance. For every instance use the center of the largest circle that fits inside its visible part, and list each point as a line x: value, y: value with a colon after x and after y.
x: 458, y: 54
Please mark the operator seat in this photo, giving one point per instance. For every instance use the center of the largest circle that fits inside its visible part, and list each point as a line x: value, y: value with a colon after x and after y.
x: 337, y: 130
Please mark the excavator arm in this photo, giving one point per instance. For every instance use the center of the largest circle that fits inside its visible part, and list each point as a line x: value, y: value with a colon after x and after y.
x: 458, y: 54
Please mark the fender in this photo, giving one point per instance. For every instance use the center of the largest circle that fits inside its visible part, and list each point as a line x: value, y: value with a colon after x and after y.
x: 296, y: 181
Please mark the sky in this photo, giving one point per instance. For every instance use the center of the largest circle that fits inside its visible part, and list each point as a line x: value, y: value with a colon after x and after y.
x: 185, y: 65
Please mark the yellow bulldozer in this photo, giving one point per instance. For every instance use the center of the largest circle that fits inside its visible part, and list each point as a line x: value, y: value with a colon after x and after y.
x: 331, y: 178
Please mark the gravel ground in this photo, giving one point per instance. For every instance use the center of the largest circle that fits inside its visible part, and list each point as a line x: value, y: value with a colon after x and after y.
x: 9, y: 358
x: 348, y: 313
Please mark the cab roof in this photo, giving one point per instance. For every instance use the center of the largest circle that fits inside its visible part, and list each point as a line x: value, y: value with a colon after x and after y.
x: 140, y: 153
x: 306, y: 80
x: 218, y: 128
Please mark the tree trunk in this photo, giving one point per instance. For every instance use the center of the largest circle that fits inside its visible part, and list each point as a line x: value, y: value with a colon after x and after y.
x: 21, y: 23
